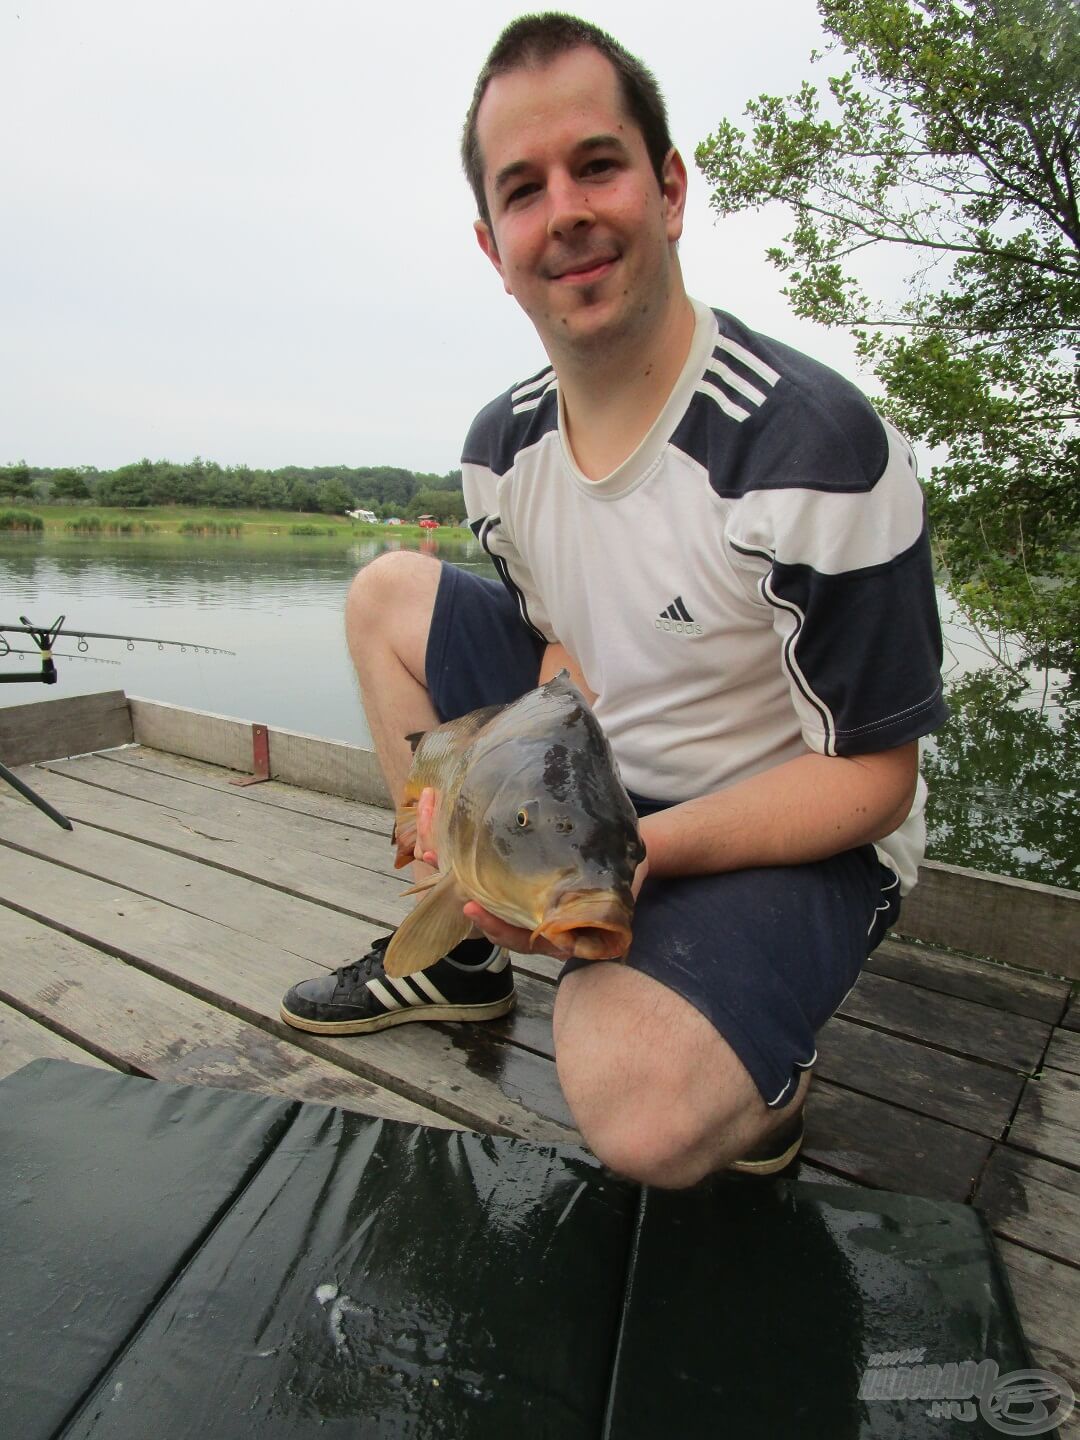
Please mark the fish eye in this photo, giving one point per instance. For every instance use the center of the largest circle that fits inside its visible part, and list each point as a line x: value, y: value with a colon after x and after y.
x: 522, y: 818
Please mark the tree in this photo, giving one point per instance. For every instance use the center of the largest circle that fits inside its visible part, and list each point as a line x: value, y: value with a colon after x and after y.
x: 953, y: 141
x: 68, y: 484
x: 444, y: 505
x: 15, y: 479
x: 333, y: 498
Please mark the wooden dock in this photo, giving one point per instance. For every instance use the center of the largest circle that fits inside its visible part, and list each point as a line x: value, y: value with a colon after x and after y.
x: 158, y: 936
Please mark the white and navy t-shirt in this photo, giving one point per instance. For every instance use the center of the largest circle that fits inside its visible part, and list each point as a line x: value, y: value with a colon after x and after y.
x: 752, y: 583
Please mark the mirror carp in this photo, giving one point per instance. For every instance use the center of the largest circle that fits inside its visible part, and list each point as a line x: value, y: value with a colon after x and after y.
x: 532, y: 821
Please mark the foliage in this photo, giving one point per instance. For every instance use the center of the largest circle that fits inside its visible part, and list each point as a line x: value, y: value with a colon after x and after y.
x: 20, y: 520
x: 952, y: 141
x: 444, y: 505
x: 210, y: 527
x: 68, y: 484
x: 329, y: 490
x: 1025, y: 798
x: 15, y: 480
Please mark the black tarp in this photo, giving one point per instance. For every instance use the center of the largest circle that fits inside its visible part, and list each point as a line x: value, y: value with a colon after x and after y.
x: 180, y: 1263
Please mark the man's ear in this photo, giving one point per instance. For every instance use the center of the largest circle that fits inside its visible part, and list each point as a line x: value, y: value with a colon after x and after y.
x: 486, y: 240
x: 673, y: 189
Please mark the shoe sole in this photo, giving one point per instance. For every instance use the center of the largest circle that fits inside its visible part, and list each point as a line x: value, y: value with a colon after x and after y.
x: 769, y: 1165
x: 491, y: 1011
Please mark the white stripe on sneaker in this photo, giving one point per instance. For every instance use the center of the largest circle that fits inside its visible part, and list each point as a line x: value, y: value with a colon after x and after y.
x: 406, y: 989
x: 383, y: 995
x: 421, y: 981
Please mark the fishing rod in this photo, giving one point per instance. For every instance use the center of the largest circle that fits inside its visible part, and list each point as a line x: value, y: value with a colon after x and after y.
x: 44, y: 638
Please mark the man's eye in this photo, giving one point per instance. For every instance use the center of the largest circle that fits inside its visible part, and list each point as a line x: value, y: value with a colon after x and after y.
x: 598, y: 167
x: 520, y: 193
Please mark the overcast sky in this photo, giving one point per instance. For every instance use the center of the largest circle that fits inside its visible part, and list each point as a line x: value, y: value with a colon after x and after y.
x: 238, y: 228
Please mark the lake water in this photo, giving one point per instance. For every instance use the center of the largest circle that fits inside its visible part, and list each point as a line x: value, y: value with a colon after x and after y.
x: 278, y: 606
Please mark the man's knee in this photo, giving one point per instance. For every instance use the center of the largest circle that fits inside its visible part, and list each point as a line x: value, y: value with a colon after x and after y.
x: 399, y: 577
x: 392, y: 601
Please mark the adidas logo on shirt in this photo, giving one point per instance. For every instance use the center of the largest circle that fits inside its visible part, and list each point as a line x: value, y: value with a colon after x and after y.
x: 677, y: 619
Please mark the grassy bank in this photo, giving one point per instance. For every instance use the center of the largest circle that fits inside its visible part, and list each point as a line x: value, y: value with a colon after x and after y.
x: 169, y: 521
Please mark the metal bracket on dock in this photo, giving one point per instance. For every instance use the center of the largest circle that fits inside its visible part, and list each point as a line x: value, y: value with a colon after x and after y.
x: 260, y: 757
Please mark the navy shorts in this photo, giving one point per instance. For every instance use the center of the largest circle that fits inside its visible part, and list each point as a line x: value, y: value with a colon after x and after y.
x: 766, y: 955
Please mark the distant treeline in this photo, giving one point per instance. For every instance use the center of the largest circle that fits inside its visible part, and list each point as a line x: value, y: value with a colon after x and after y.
x: 331, y: 489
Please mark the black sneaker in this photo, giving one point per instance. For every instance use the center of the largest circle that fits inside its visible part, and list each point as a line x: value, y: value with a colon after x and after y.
x: 361, y: 997
x: 775, y: 1153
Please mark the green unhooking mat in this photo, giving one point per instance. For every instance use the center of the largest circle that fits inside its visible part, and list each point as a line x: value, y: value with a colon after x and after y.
x: 189, y: 1264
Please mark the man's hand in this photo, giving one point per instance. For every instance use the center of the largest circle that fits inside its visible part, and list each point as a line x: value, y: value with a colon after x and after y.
x: 425, y: 828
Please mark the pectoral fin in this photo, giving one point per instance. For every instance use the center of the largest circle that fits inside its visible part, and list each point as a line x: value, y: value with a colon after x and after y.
x: 433, y: 928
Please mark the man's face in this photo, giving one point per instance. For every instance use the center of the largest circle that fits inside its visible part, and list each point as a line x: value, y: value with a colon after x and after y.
x: 581, y: 232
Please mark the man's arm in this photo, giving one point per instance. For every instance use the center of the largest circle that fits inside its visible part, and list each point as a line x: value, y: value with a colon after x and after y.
x: 556, y: 658
x: 805, y: 809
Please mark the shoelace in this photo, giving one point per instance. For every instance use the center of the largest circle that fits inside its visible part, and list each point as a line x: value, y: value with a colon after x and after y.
x: 348, y: 975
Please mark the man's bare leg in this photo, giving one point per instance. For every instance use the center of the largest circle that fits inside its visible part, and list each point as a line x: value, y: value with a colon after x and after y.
x: 658, y: 1094
x: 387, y: 621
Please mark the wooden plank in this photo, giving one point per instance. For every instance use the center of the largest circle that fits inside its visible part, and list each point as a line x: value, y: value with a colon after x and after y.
x: 143, y: 1025
x: 1063, y: 1052
x: 901, y: 1072
x: 306, y: 760
x: 23, y: 1040
x: 246, y: 842
x: 927, y: 1081
x: 1016, y: 921
x: 46, y: 729
x: 507, y: 1091
x: 880, y: 1145
x: 1047, y: 1296
x: 310, y: 930
x: 274, y: 827
x: 1048, y: 1120
x: 962, y: 1026
x: 1022, y: 992
x: 1032, y: 1201
x: 272, y: 793
x: 1071, y: 1018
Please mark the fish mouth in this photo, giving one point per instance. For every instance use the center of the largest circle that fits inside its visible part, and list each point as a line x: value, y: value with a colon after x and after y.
x: 590, y: 926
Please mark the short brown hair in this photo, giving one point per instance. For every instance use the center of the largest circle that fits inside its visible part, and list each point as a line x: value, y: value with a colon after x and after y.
x: 535, y: 40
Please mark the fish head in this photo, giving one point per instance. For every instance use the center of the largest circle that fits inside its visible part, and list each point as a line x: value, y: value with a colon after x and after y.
x: 547, y: 837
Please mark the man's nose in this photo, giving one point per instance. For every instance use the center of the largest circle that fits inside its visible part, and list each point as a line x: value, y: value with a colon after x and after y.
x: 570, y: 206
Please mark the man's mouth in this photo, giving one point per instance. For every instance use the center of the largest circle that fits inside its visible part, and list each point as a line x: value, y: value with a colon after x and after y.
x: 583, y: 272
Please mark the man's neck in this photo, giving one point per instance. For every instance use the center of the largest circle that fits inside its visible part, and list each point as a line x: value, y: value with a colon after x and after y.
x: 611, y: 400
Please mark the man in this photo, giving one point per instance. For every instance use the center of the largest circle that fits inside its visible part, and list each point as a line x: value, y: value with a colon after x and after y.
x: 726, y: 547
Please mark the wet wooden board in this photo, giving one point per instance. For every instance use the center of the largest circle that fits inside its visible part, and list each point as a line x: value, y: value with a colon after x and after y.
x: 1019, y: 991
x: 1063, y: 1052
x: 964, y: 1027
x: 1048, y: 1120
x: 23, y: 1039
x: 876, y: 1144
x: 139, y: 1024
x: 1048, y: 1297
x: 1032, y: 1202
x: 505, y: 1089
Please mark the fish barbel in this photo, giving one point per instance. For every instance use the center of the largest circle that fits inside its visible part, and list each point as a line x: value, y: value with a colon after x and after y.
x: 531, y: 821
